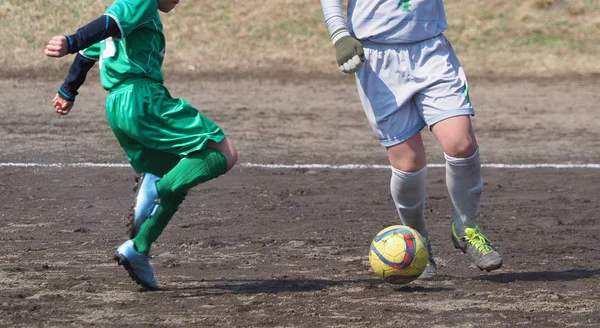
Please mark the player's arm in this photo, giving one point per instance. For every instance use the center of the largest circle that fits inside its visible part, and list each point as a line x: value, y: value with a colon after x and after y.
x: 76, y: 76
x: 349, y: 52
x: 65, y: 97
x: 94, y: 32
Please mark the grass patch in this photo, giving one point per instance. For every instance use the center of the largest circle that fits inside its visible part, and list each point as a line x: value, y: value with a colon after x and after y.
x: 490, y: 36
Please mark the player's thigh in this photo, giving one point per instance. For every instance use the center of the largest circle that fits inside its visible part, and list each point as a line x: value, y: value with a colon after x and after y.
x: 173, y: 125
x: 120, y: 112
x: 156, y: 162
x: 444, y: 97
x: 386, y: 92
x: 142, y: 159
x: 156, y: 130
x: 443, y: 88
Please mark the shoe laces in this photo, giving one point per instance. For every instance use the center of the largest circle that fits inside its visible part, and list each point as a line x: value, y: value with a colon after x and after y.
x: 478, y: 240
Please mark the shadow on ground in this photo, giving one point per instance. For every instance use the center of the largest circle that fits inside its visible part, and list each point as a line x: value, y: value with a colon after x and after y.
x: 228, y: 286
x: 567, y: 275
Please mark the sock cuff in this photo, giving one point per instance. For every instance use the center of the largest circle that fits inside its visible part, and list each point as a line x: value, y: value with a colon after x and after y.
x: 216, y: 161
x: 407, y: 175
x: 462, y: 161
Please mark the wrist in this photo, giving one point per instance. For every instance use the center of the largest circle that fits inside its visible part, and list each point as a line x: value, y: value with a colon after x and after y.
x: 66, y: 95
x: 338, y: 35
x: 70, y: 44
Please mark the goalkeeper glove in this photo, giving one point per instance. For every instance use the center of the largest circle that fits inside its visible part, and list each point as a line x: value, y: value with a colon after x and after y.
x: 348, y: 51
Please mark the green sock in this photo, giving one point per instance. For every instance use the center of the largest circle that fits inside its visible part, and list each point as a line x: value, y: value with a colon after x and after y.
x: 172, y: 189
x: 153, y: 227
x: 193, y: 170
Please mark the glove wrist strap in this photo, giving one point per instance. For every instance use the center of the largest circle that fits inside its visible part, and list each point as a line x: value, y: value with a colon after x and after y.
x: 339, y: 34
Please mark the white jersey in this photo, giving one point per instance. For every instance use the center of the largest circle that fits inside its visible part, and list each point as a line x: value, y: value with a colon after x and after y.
x: 389, y: 21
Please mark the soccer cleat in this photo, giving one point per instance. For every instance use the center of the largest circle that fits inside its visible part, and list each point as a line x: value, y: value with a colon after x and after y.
x: 431, y: 268
x: 478, y: 247
x: 146, y: 202
x: 137, y: 265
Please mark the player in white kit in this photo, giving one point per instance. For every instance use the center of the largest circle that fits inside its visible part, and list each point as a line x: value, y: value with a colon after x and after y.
x: 409, y: 77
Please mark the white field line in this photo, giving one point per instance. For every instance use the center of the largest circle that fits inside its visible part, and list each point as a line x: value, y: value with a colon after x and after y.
x: 312, y: 166
x: 375, y: 166
x: 62, y: 165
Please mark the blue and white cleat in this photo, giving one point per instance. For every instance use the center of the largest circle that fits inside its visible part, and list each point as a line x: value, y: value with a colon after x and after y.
x: 146, y: 202
x: 137, y: 265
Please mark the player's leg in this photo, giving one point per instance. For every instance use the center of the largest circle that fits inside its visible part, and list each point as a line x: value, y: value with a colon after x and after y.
x: 194, y: 169
x: 227, y: 149
x: 173, y: 146
x: 463, y: 169
x: 158, y: 200
x: 205, y: 152
x: 121, y: 106
x: 407, y: 184
x: 465, y: 184
x: 408, y: 189
x: 154, y: 165
x: 447, y: 109
x: 387, y: 101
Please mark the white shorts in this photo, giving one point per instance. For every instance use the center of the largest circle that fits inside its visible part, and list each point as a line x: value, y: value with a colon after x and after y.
x: 405, y: 87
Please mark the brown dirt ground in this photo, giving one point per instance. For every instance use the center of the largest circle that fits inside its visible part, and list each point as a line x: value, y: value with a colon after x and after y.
x: 288, y: 248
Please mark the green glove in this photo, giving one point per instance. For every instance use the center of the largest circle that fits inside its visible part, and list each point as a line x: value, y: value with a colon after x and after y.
x: 348, y: 51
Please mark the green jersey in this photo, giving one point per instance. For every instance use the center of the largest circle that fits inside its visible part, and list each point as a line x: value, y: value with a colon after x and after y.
x: 140, y: 51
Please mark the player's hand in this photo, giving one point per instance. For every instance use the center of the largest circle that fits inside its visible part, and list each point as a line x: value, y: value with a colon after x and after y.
x: 61, y: 105
x: 57, y: 46
x: 350, y: 54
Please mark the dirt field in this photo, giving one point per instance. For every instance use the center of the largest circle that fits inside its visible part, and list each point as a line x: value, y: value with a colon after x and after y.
x: 288, y: 247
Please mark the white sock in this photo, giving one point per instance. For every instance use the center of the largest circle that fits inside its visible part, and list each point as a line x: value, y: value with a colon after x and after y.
x: 465, y: 184
x: 409, y: 192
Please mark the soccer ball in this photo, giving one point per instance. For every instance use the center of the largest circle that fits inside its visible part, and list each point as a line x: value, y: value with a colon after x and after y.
x: 398, y: 254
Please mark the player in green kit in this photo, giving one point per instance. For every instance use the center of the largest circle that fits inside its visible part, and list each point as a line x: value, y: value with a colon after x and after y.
x: 167, y: 140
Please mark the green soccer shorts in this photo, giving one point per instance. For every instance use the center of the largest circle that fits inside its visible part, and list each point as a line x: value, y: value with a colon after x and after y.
x: 154, y: 129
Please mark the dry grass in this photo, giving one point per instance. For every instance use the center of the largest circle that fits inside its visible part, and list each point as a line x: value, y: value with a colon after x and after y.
x: 530, y: 37
x: 516, y: 38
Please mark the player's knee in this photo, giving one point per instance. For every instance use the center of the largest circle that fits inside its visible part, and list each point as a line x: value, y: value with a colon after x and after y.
x: 410, y: 162
x: 463, y: 148
x: 226, y: 148
x: 408, y: 156
x: 408, y: 166
x: 232, y: 157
